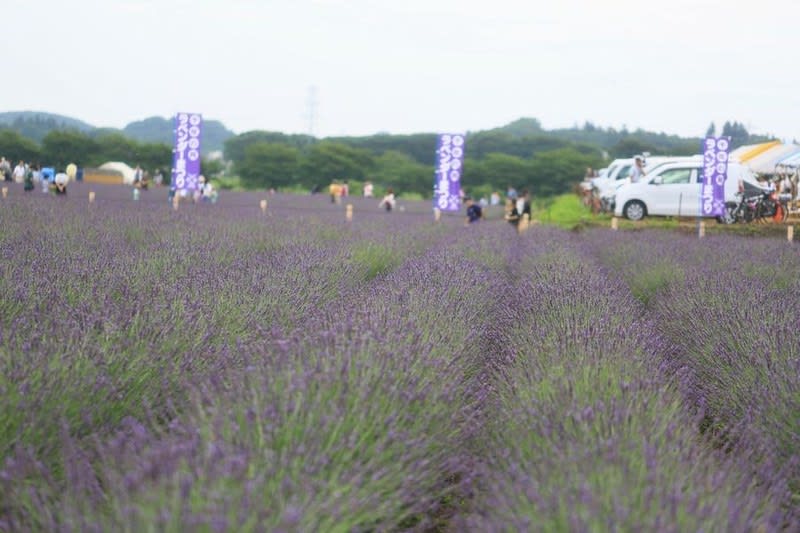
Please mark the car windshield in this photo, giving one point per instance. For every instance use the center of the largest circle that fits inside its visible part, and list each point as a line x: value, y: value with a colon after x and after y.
x: 624, y: 172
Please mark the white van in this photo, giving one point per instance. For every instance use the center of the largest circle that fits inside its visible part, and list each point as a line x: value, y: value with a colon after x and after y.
x: 673, y: 189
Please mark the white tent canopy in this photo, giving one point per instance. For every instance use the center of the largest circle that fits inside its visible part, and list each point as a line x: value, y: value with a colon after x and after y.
x: 765, y: 163
x: 126, y: 171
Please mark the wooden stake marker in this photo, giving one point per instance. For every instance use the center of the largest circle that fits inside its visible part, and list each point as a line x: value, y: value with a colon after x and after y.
x: 175, y: 202
x: 348, y: 214
x: 91, y: 197
x: 701, y: 230
x: 614, y: 223
x: 437, y: 214
x: 263, y: 205
x: 5, y: 192
x: 790, y: 233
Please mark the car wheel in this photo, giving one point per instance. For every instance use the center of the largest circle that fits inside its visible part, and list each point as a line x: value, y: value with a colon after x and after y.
x: 634, y: 210
x: 729, y: 215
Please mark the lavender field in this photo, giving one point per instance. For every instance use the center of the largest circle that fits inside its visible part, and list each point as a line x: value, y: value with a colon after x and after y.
x: 218, y: 369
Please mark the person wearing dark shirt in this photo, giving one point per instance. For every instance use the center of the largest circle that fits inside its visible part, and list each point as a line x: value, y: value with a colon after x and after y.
x: 512, y: 215
x: 474, y: 211
x: 524, y: 205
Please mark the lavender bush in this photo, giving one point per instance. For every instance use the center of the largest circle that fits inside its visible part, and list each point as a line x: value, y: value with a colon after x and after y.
x: 588, y: 435
x: 732, y: 320
x: 217, y: 368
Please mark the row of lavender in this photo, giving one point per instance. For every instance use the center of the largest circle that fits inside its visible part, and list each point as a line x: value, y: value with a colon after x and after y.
x: 244, y: 371
x: 294, y: 372
x: 596, y: 425
x: 730, y: 311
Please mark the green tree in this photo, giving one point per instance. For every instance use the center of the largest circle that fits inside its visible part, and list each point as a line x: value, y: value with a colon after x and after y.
x: 235, y: 146
x: 14, y: 147
x: 556, y: 171
x: 212, y: 168
x: 403, y: 173
x: 153, y: 156
x: 327, y: 161
x: 499, y: 171
x: 737, y: 132
x: 62, y: 147
x: 116, y: 147
x: 268, y: 165
x: 419, y: 146
x: 630, y: 146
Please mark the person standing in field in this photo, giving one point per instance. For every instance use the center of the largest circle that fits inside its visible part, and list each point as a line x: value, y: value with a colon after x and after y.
x: 523, y: 204
x: 137, y: 176
x: 368, y: 191
x: 5, y: 169
x: 336, y: 192
x: 474, y: 211
x: 388, y: 200
x: 29, y: 180
x: 512, y: 215
x: 511, y: 193
x: 19, y: 172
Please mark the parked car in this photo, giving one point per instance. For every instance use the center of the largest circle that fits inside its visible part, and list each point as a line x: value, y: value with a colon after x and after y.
x: 673, y: 189
x: 617, y: 170
x: 606, y: 189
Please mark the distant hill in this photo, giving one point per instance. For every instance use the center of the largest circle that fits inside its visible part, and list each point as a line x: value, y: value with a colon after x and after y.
x: 159, y: 129
x: 522, y: 127
x: 35, y: 125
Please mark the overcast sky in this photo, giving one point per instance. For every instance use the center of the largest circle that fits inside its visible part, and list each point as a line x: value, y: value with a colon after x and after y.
x: 407, y: 66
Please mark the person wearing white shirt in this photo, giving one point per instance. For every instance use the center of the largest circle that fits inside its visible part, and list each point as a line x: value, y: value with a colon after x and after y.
x: 19, y: 172
x: 637, y: 172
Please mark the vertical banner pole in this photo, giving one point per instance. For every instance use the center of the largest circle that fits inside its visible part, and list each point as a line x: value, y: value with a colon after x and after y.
x: 448, y: 170
x: 186, y: 153
x: 715, y: 173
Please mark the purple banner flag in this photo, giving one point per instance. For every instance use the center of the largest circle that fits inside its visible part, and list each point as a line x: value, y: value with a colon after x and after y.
x: 449, y: 167
x: 186, y: 155
x: 715, y: 172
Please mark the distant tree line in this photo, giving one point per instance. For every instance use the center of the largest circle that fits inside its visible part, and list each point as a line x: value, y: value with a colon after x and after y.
x: 405, y: 162
x: 62, y: 147
x: 520, y: 154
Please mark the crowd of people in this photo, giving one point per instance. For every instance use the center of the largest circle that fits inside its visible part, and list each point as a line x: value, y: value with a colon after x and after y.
x: 204, y: 193
x: 31, y: 174
x: 516, y: 208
